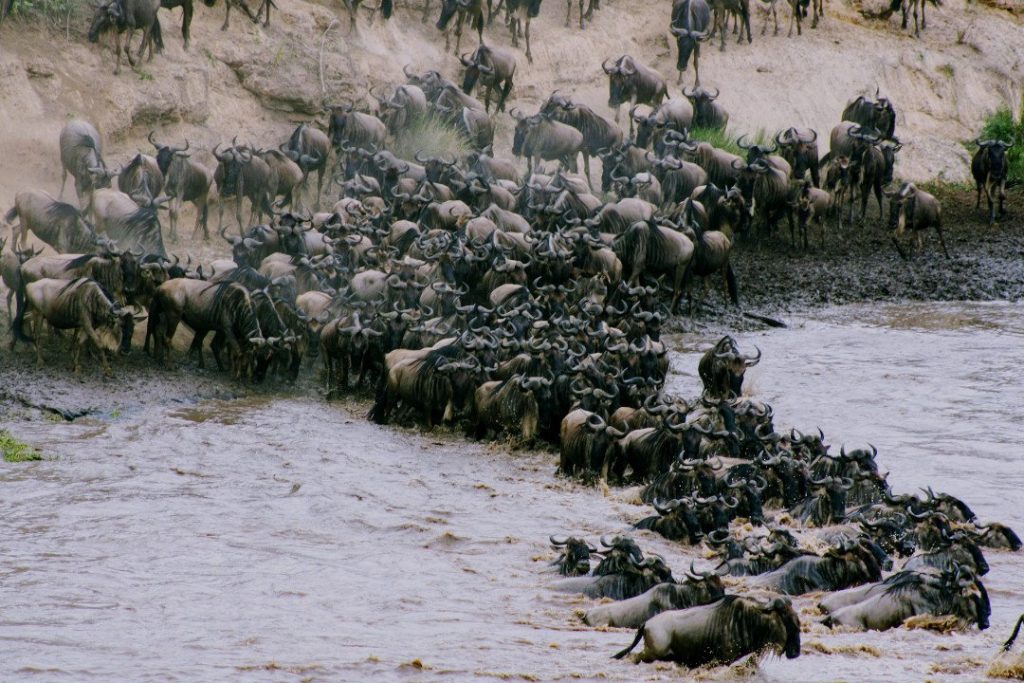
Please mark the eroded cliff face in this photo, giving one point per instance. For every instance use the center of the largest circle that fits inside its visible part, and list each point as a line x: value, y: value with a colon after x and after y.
x: 256, y: 82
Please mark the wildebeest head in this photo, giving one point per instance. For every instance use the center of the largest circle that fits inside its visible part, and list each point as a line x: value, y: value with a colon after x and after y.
x: 701, y: 99
x: 885, y: 116
x: 830, y: 495
x: 993, y: 154
x: 756, y: 152
x: 620, y: 551
x: 782, y: 610
x: 687, y: 41
x: 166, y: 153
x: 889, y: 149
x: 523, y: 126
x: 722, y: 368
x: 229, y: 168
x: 479, y: 64
x: 574, y: 559
x: 107, y: 15
x: 337, y: 119
x: 902, y: 204
x: 622, y: 81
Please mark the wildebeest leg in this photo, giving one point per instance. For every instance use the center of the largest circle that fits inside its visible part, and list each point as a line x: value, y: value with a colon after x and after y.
x: 128, y: 47
x: 186, y: 23
x: 582, y: 27
x: 942, y: 240
x: 696, y: 65
x: 227, y: 14
x: 586, y: 169
x: 677, y: 286
x: 529, y: 54
x: 505, y: 90
x: 568, y: 13
x: 37, y: 335
x: 196, y: 347
x: 731, y: 285
x: 426, y: 12
x: 238, y: 210
x: 117, y: 51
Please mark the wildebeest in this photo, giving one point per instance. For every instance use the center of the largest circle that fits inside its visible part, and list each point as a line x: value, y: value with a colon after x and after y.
x: 141, y: 179
x: 185, y: 180
x: 407, y: 104
x: 800, y: 149
x: 187, y: 9
x: 494, y: 69
x: 540, y: 137
x: 585, y: 439
x: 698, y: 589
x: 916, y: 210
x: 989, y: 168
x: 908, y: 6
x: 877, y: 114
x: 887, y: 604
x: 675, y: 114
x: 649, y: 249
x: 691, y: 24
x: 81, y: 155
x: 132, y: 226
x: 588, y: 15
x: 631, y: 81
x: 707, y: 112
x: 599, y: 134
x: 242, y: 174
x: 60, y: 225
x: 849, y: 564
x: 740, y: 12
x: 224, y: 308
x: 436, y: 380
x: 471, y: 9
x: 126, y: 15
x: 719, y: 633
x: 574, y: 558
x: 79, y: 304
x: 309, y: 147
x: 347, y: 128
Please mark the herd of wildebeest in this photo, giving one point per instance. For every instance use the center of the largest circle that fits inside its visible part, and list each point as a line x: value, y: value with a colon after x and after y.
x: 467, y: 292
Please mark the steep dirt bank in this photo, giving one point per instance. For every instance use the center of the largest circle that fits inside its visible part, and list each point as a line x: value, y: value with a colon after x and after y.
x: 256, y: 82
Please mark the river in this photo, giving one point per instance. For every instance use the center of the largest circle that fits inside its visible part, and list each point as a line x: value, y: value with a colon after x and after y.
x: 286, y: 539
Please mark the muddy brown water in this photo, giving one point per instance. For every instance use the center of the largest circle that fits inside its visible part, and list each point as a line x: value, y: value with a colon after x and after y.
x: 286, y: 539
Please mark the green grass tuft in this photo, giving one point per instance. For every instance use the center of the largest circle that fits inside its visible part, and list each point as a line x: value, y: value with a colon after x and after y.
x: 15, y: 450
x: 433, y: 137
x: 1002, y: 126
x: 727, y: 140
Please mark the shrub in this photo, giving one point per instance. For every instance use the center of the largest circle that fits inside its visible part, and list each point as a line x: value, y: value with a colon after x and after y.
x: 14, y: 450
x: 431, y: 136
x: 727, y: 141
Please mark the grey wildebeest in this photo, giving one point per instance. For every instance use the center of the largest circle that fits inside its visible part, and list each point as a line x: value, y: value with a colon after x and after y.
x: 631, y: 81
x: 355, y: 129
x: 225, y: 308
x: 691, y: 24
x: 989, y: 168
x: 60, y: 225
x: 494, y: 69
x: 599, y: 134
x: 81, y: 156
x: 740, y: 11
x: 585, y: 440
x: 141, y: 179
x: 675, y: 114
x: 707, y: 113
x: 435, y: 379
x: 698, y: 589
x: 646, y: 248
x: 187, y: 9
x: 722, y: 368
x: 185, y: 180
x: 471, y: 9
x: 800, y: 149
x: 541, y: 137
x: 309, y: 147
x: 132, y: 226
x: 719, y: 633
x: 887, y: 604
x: 520, y: 25
x: 242, y: 174
x: 126, y: 15
x: 916, y: 210
x: 407, y: 104
x: 79, y: 304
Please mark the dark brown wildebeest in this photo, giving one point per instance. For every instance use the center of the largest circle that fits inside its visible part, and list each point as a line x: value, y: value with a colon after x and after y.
x: 722, y: 368
x: 126, y: 15
x: 242, y: 174
x: 633, y: 82
x: 186, y: 180
x: 989, y: 168
x: 494, y: 69
x: 691, y: 24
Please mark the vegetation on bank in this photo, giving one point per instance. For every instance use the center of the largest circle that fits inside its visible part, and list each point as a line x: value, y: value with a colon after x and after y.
x: 1002, y: 126
x: 15, y: 450
x: 431, y: 136
x: 60, y: 13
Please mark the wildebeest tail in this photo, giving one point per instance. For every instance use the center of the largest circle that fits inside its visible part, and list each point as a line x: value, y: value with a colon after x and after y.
x: 11, y: 215
x: 623, y: 653
x: 18, y: 326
